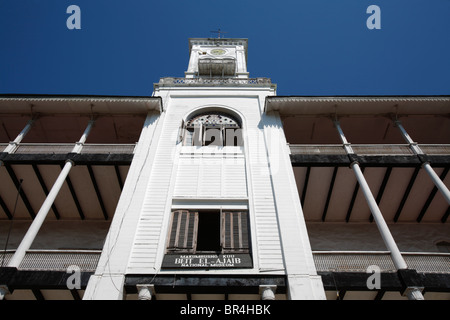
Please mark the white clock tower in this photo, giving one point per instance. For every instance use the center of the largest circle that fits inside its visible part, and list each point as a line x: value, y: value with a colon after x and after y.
x: 210, y: 208
x: 217, y: 58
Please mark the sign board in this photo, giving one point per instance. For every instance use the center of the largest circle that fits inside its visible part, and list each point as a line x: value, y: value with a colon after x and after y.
x: 207, y: 260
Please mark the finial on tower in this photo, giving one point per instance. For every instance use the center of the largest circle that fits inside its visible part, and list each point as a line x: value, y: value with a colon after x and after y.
x: 218, y: 32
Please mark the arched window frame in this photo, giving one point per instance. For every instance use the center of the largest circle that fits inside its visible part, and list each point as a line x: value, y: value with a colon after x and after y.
x: 200, y: 128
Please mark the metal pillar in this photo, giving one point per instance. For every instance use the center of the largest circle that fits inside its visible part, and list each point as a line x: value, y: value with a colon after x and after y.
x: 389, y: 241
x: 29, y: 237
x: 13, y: 144
x: 10, y: 149
x: 426, y: 165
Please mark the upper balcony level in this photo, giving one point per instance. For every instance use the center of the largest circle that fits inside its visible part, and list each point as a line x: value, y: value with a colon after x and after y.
x: 49, y: 127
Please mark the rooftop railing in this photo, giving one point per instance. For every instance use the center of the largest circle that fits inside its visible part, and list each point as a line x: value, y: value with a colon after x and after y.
x: 170, y: 81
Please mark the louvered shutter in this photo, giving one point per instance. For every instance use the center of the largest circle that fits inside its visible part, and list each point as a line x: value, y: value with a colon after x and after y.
x: 183, y: 232
x: 235, y: 231
x: 197, y: 136
x: 188, y: 136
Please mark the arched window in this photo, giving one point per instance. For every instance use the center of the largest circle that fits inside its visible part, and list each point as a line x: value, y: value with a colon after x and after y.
x: 212, y: 129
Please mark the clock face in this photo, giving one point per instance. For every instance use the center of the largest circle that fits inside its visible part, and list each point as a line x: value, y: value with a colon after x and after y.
x: 217, y: 52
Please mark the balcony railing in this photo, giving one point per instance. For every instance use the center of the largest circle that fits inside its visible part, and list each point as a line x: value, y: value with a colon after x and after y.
x: 368, y: 149
x: 435, y: 149
x: 44, y: 148
x: 109, y: 148
x: 56, y: 260
x: 359, y: 261
x: 382, y: 149
x: 63, y: 148
x: 337, y: 261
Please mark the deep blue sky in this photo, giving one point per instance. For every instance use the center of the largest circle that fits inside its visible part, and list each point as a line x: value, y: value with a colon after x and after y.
x: 317, y: 47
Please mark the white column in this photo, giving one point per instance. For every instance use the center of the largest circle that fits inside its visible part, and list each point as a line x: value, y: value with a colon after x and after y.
x: 81, y: 142
x: 13, y: 144
x: 10, y: 149
x: 437, y: 181
x: 416, y: 149
x: 386, y: 235
x: 29, y: 237
x: 397, y: 258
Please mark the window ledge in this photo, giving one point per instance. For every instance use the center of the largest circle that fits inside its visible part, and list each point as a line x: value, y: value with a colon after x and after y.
x: 211, y: 150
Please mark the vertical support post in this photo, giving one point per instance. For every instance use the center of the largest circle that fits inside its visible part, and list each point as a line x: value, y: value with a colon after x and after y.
x: 397, y: 258
x: 437, y: 181
x: 426, y: 165
x: 10, y: 149
x: 79, y: 145
x: 13, y: 144
x: 378, y: 217
x: 29, y: 237
x: 386, y: 235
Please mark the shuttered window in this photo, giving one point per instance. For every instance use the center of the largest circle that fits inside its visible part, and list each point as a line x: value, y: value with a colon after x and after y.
x: 183, y: 232
x: 235, y: 232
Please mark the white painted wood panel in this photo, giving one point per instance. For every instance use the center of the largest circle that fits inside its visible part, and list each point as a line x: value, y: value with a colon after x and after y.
x: 211, y: 176
x: 195, y: 174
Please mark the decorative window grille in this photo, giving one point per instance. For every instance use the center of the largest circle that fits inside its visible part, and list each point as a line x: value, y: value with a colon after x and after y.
x: 213, y: 129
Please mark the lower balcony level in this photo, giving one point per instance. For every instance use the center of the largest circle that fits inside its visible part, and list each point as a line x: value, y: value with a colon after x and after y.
x: 43, y: 275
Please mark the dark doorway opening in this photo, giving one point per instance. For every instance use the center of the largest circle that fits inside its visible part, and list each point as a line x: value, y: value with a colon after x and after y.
x: 208, y: 238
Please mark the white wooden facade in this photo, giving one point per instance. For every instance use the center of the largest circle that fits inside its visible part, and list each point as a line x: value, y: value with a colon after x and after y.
x: 150, y: 198
x: 166, y: 175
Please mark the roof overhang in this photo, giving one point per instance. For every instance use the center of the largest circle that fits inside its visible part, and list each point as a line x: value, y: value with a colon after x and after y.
x: 40, y: 104
x: 358, y: 106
